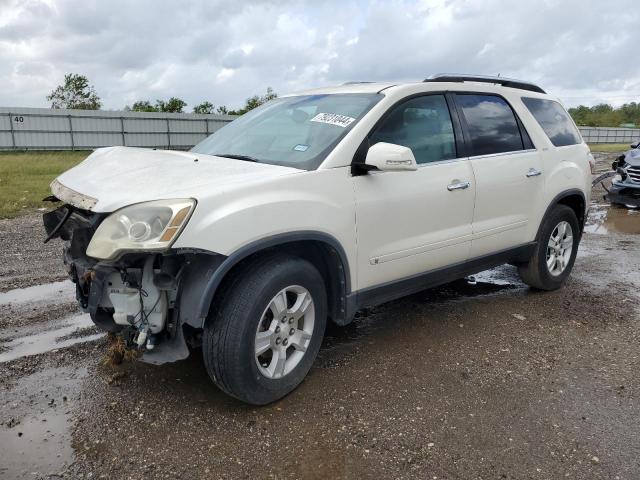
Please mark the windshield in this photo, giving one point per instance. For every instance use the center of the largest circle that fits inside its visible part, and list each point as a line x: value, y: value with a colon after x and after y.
x: 295, y: 132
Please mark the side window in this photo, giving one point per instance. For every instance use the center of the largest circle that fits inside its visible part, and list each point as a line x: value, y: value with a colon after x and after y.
x: 491, y: 123
x: 424, y: 125
x: 554, y: 120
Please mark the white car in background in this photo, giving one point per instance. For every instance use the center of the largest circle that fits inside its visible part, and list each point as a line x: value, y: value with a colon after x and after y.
x: 313, y: 206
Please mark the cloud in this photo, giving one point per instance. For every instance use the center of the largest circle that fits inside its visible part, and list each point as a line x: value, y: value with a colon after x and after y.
x: 225, y: 51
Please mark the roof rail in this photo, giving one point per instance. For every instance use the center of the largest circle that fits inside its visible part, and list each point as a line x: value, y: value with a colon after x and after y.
x: 504, y: 81
x: 355, y: 83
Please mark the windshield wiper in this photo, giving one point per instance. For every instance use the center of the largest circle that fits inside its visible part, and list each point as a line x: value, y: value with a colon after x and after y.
x: 236, y: 157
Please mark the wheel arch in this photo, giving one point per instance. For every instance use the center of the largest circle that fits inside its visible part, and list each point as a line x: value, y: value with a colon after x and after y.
x: 321, y: 249
x: 574, y: 199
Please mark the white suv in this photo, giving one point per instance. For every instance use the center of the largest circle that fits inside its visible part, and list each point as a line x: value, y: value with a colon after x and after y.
x: 313, y: 206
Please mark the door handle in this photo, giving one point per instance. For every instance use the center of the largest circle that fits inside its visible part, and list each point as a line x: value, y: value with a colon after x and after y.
x: 458, y: 186
x: 533, y: 173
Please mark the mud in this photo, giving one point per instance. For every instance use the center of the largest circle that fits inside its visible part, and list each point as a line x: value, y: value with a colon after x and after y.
x: 481, y: 378
x: 26, y: 260
x: 37, y: 433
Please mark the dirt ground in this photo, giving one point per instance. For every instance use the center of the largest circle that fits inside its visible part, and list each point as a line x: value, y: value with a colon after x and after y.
x: 480, y: 379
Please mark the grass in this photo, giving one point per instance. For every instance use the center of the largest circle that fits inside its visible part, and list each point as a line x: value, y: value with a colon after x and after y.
x: 609, y: 147
x: 25, y: 178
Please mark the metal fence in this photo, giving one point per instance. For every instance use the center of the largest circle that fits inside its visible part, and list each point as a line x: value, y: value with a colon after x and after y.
x: 610, y: 135
x: 45, y: 129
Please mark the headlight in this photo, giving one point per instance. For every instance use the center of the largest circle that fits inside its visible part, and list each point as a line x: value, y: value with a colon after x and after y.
x: 143, y: 226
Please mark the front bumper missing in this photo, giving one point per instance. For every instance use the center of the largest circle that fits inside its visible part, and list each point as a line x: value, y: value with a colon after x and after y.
x: 624, y: 193
x: 108, y: 290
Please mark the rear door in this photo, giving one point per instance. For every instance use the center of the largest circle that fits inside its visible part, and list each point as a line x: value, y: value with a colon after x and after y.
x: 415, y: 221
x: 507, y: 169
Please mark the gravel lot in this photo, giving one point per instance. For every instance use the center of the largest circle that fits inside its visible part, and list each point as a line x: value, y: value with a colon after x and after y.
x: 468, y: 381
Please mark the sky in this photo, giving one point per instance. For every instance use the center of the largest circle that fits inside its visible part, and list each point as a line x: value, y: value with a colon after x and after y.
x: 584, y: 52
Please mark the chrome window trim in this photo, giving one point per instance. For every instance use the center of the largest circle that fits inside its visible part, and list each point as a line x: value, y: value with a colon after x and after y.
x: 501, y: 154
x: 441, y: 162
x: 491, y: 155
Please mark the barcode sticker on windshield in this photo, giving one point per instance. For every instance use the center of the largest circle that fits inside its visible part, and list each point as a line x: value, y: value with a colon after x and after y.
x: 333, y: 119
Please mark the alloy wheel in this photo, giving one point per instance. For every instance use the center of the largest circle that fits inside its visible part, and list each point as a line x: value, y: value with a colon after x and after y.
x: 284, y: 331
x: 559, y: 248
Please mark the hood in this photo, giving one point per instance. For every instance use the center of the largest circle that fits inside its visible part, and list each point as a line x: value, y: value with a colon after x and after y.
x: 111, y: 178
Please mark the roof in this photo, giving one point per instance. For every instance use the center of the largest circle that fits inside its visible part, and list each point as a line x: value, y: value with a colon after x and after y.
x: 351, y: 87
x: 453, y: 82
x: 504, y: 81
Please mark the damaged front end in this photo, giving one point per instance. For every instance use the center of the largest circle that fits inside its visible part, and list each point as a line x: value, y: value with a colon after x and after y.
x: 148, y: 297
x: 625, y: 187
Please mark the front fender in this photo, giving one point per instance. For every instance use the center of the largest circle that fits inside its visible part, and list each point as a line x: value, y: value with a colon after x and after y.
x: 207, y: 285
x: 320, y: 201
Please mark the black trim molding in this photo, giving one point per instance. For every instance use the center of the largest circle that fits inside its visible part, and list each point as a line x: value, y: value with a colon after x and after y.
x: 232, y: 260
x: 372, y: 296
x: 557, y: 199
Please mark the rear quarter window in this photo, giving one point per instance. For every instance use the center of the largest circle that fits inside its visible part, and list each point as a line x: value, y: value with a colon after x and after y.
x: 554, y: 120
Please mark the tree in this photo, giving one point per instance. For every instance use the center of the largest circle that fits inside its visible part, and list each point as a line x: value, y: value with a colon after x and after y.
x: 142, y: 106
x: 255, y: 101
x: 75, y: 93
x: 173, y: 105
x: 204, y: 107
x: 604, y: 115
x: 176, y: 105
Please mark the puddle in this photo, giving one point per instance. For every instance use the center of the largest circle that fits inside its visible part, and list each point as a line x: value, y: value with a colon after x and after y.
x: 488, y: 282
x: 56, y: 337
x: 35, y: 433
x: 605, y: 218
x: 56, y: 292
x: 501, y: 276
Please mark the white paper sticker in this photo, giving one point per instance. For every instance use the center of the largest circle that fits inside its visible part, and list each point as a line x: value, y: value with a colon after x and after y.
x: 333, y: 119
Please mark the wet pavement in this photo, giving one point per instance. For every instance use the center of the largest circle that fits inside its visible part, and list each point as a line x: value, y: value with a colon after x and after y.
x: 481, y: 378
x: 37, y: 434
x: 49, y: 293
x: 56, y: 335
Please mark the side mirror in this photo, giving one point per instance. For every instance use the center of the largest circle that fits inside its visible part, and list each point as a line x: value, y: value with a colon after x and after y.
x: 634, y: 145
x: 389, y: 157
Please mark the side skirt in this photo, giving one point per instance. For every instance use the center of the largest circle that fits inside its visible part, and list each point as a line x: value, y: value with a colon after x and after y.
x: 386, y: 292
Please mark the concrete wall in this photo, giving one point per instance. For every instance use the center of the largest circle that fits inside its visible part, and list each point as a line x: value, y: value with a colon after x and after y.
x: 47, y: 129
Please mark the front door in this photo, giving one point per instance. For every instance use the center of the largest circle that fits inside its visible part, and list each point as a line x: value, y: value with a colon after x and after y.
x: 415, y: 221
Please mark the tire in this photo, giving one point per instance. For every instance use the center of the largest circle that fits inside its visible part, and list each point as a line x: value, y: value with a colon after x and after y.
x: 536, y: 272
x: 246, y: 309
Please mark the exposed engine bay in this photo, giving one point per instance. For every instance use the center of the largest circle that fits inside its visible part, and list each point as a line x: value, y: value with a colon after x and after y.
x: 138, y: 295
x: 137, y: 290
